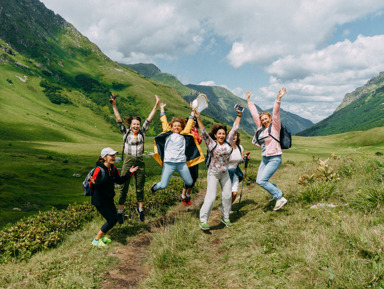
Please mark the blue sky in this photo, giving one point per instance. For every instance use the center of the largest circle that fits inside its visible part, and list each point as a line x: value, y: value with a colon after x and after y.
x: 319, y: 50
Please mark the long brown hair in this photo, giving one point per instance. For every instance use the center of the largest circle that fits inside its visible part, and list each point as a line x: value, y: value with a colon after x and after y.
x: 128, y: 120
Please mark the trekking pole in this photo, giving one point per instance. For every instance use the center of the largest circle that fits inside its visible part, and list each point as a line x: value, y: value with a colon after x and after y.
x: 246, y: 159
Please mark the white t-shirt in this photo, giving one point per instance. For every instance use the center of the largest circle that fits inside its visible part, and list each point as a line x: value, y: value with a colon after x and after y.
x: 235, y: 158
x: 174, y: 150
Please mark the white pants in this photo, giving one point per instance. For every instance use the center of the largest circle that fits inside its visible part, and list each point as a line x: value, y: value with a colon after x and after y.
x: 213, y: 180
x: 235, y: 183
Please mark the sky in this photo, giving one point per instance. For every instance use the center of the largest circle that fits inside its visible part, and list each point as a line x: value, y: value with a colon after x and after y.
x: 319, y: 49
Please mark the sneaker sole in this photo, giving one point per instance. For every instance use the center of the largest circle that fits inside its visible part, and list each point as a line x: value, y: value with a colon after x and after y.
x: 204, y: 229
x: 282, y: 205
x: 226, y: 224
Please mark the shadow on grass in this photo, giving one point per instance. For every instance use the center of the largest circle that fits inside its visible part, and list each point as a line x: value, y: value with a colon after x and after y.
x: 120, y: 233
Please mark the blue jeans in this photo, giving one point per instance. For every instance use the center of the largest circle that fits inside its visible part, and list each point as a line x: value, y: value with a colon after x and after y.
x: 168, y: 169
x: 267, y: 168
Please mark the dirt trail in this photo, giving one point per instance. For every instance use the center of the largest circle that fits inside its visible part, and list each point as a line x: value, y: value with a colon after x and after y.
x: 132, y: 269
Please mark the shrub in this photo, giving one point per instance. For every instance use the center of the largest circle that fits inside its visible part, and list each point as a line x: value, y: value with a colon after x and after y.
x: 369, y: 199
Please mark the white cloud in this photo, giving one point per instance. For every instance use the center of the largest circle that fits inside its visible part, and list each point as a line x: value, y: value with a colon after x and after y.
x: 208, y: 83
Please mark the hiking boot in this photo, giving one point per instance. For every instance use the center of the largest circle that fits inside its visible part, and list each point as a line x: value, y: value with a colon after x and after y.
x: 185, y: 200
x: 153, y: 188
x: 141, y: 214
x: 227, y: 223
x: 106, y: 240
x: 99, y: 243
x: 204, y: 226
x: 120, y: 218
x: 280, y: 203
x: 188, y: 197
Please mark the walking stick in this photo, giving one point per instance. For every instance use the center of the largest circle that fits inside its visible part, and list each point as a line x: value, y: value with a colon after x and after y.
x: 246, y: 159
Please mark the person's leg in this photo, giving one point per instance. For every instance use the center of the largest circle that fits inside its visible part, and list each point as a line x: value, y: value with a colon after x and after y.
x: 140, y: 182
x: 194, y: 171
x: 168, y: 169
x: 210, y: 196
x: 267, y: 168
x: 226, y: 195
x: 127, y: 164
x: 110, y: 215
x: 183, y: 170
x: 235, y: 187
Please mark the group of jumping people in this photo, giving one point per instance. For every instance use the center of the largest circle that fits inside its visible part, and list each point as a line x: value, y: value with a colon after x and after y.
x: 177, y: 148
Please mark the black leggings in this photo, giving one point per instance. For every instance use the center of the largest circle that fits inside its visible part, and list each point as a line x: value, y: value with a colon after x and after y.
x: 108, y: 211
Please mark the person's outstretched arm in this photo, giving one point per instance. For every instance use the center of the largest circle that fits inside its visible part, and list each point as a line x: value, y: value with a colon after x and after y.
x: 152, y: 114
x: 276, y: 108
x: 112, y: 100
x: 236, y: 124
x: 163, y: 117
x: 253, y: 110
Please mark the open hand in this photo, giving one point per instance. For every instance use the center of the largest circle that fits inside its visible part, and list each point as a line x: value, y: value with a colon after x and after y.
x: 133, y: 169
x: 112, y: 99
x: 281, y: 93
x: 248, y: 94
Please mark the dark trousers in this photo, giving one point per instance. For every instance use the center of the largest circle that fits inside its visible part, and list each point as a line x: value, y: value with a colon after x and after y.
x: 109, y: 212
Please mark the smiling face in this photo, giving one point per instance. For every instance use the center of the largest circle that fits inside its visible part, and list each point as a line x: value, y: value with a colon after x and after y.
x: 176, y: 127
x: 109, y: 160
x: 220, y: 136
x: 265, y: 119
x: 135, y: 125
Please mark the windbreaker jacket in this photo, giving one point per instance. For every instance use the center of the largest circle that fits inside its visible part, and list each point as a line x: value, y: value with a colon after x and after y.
x: 272, y: 147
x: 193, y: 151
x: 103, y: 191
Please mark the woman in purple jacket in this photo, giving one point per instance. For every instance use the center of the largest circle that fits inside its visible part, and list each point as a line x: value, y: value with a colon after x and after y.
x: 270, y: 148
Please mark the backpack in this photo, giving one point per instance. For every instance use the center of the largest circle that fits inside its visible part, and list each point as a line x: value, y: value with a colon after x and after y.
x: 86, y: 187
x: 209, y: 154
x: 285, y: 137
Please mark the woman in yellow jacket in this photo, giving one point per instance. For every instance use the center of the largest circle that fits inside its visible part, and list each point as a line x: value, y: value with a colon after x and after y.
x: 176, y: 149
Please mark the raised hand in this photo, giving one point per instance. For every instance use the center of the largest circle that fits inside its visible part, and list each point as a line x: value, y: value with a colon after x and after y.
x: 157, y: 100
x: 112, y: 99
x: 281, y: 93
x: 248, y: 94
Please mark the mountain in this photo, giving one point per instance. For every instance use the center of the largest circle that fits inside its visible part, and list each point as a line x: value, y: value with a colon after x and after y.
x: 361, y: 109
x: 220, y: 100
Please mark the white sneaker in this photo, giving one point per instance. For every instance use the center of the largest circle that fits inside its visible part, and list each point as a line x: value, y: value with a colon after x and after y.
x: 280, y: 203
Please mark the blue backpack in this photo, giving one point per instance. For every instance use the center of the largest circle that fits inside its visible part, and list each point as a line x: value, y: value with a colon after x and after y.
x: 86, y: 187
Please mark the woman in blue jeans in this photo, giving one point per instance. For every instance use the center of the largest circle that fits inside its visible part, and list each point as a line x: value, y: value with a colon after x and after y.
x: 270, y: 148
x: 176, y: 150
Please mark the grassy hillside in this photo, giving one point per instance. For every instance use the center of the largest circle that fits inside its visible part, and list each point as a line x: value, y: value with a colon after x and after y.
x: 360, y: 110
x: 297, y: 247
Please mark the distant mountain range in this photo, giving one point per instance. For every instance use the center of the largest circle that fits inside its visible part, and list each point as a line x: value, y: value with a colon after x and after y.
x: 361, y: 109
x: 221, y: 100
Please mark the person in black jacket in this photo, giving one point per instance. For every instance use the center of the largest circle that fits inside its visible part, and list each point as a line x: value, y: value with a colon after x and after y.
x: 103, y: 192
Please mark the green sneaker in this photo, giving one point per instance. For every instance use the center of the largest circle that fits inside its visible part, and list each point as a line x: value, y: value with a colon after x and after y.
x: 204, y: 226
x: 227, y: 223
x: 99, y: 243
x: 106, y: 240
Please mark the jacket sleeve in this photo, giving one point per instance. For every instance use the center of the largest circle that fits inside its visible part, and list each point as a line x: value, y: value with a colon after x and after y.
x: 98, y: 177
x: 188, y: 127
x: 231, y: 134
x: 164, y: 122
x: 276, y: 116
x: 209, y: 142
x: 254, y: 113
x: 120, y: 179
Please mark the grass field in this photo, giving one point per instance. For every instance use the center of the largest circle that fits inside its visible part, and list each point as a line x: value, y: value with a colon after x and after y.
x: 297, y: 247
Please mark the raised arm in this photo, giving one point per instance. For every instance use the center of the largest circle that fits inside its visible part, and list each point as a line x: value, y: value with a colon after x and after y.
x: 163, y: 117
x: 112, y: 100
x: 276, y: 108
x: 236, y: 124
x: 253, y: 110
x: 152, y: 114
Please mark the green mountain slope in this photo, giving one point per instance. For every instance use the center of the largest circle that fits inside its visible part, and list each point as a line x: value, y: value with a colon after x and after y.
x: 361, y: 110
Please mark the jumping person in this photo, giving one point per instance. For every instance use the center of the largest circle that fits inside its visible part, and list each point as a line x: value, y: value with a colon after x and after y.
x: 133, y: 149
x: 270, y: 148
x: 185, y: 197
x: 219, y: 146
x: 103, y: 192
x: 176, y: 150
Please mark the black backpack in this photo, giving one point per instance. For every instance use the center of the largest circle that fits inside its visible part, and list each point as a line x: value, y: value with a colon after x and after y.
x: 209, y: 154
x: 285, y: 137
